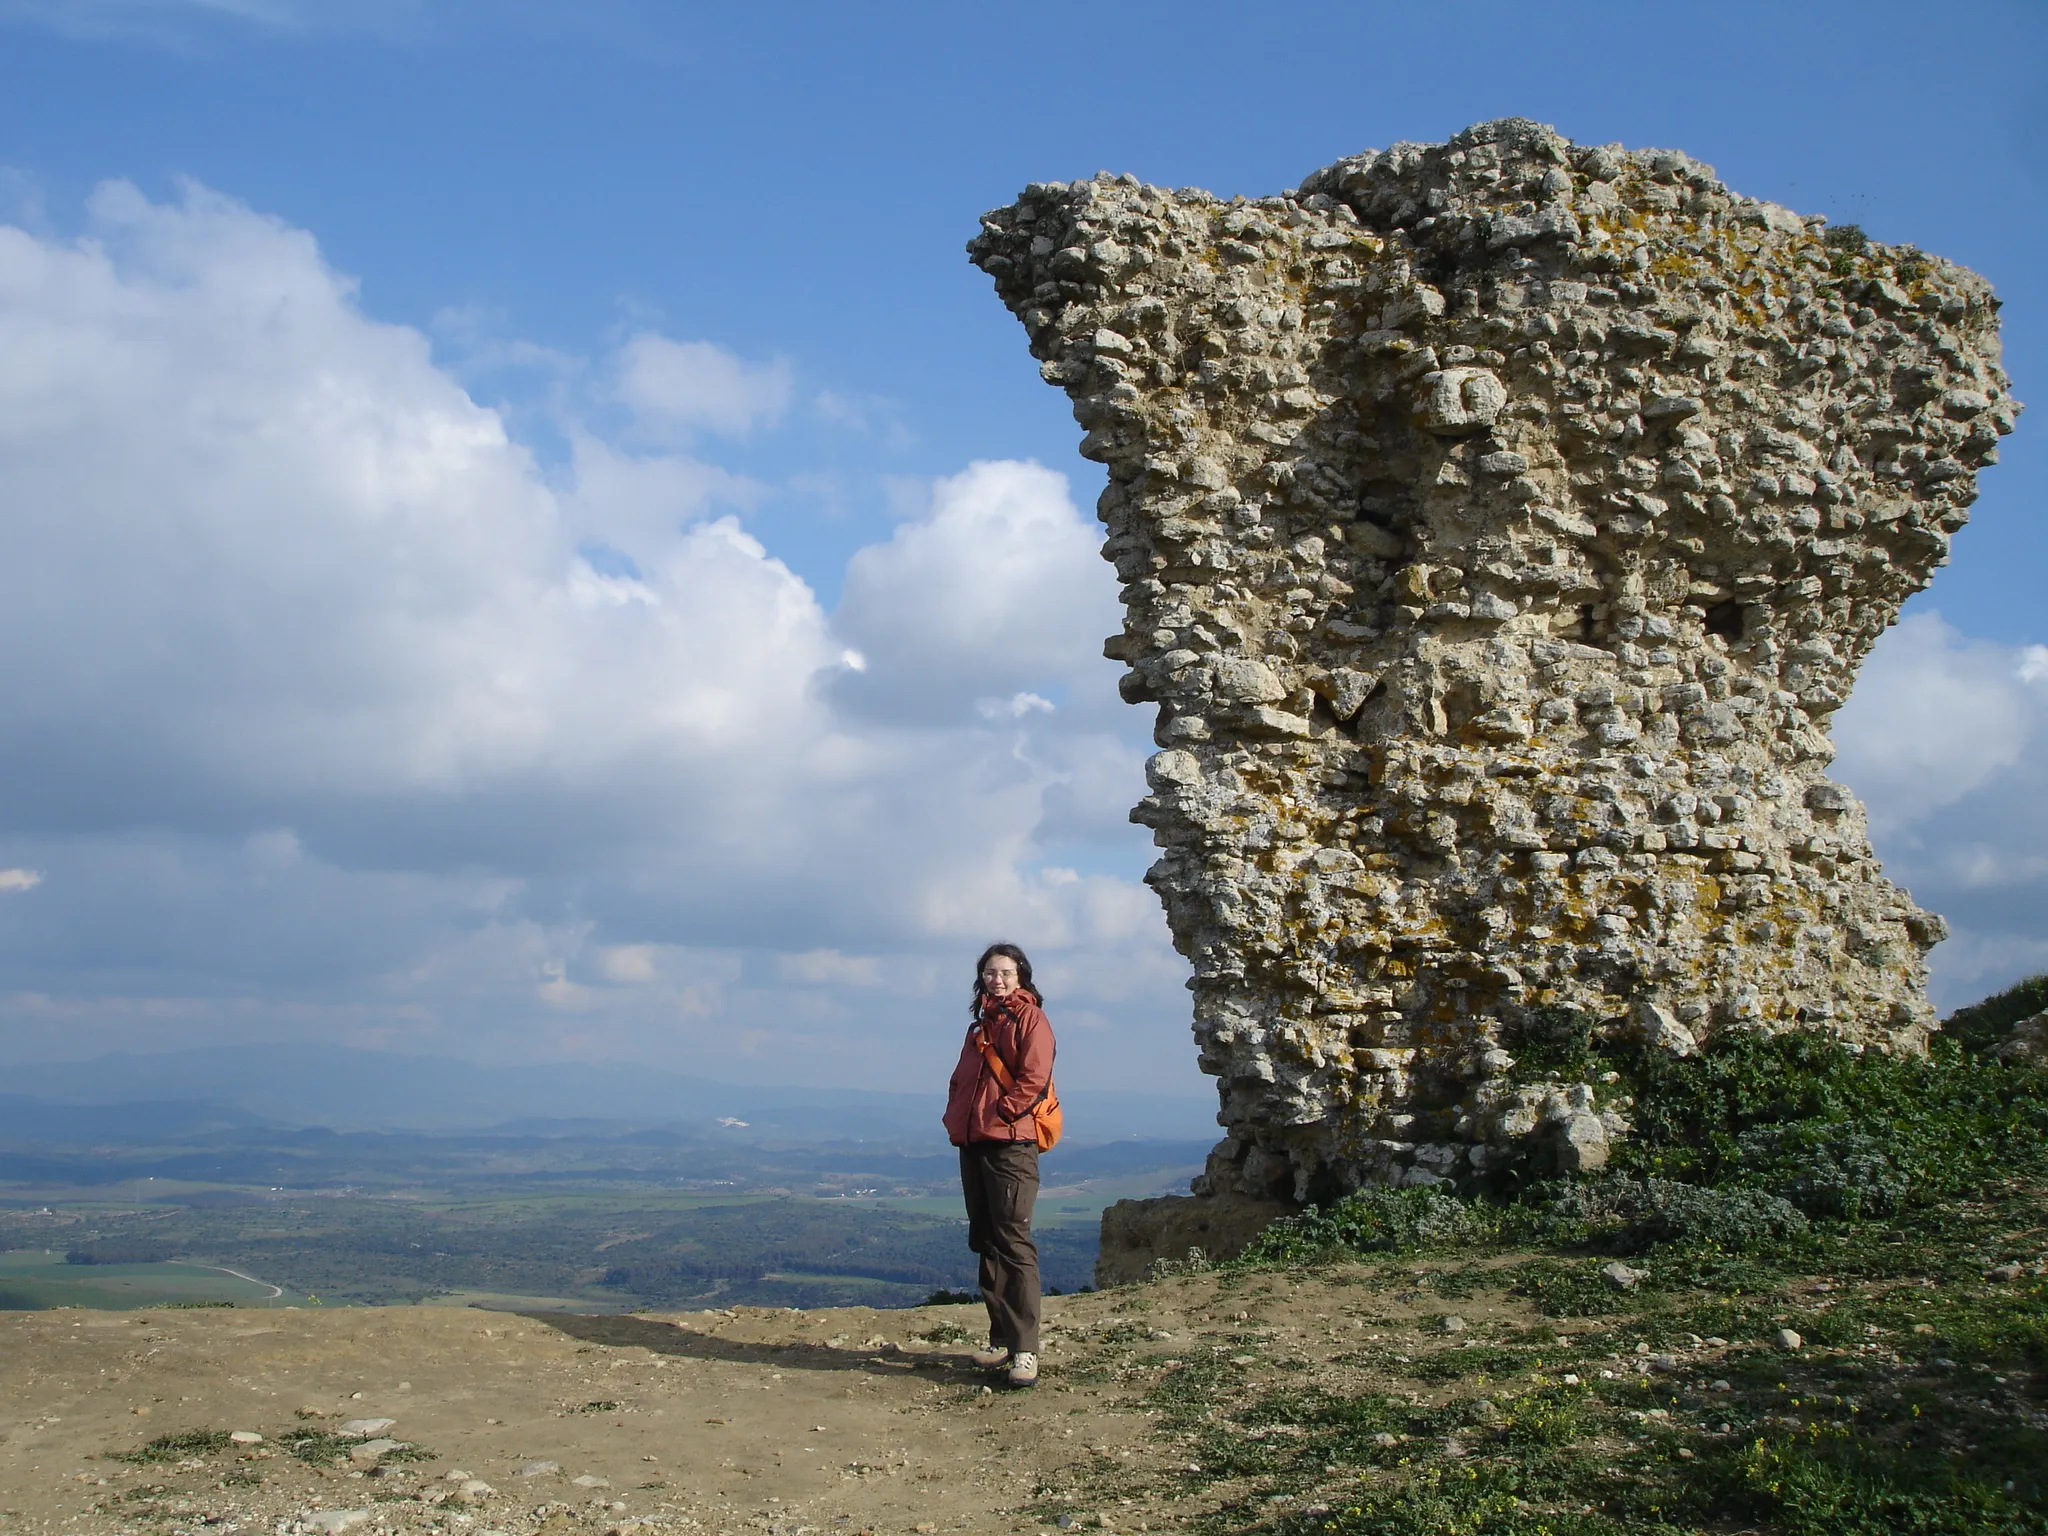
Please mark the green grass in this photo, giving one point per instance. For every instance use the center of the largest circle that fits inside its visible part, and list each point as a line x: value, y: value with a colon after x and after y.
x: 1478, y: 1360
x: 34, y: 1280
x: 320, y: 1447
x: 1801, y: 1445
x: 1861, y: 1201
x: 178, y: 1447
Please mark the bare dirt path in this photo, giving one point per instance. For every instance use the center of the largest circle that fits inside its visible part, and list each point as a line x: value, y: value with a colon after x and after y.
x: 825, y: 1421
x: 738, y: 1421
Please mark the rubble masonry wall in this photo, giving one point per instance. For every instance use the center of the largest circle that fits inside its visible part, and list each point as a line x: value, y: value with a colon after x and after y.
x: 1501, y: 523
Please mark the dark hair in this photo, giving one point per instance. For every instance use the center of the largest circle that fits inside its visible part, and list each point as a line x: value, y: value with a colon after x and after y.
x: 1023, y: 974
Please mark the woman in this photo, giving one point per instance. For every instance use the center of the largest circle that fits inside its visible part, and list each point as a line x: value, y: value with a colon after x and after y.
x: 990, y: 1121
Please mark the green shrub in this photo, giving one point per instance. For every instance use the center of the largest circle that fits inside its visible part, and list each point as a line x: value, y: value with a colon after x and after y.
x: 1333, y: 1427
x: 317, y: 1447
x: 1734, y: 1149
x: 1943, y: 1124
x: 1551, y: 1416
x: 1561, y: 1288
x: 1619, y: 1214
x: 1469, y: 1360
x: 1630, y: 1215
x: 1979, y: 1027
x: 1371, y: 1221
x: 1841, y: 1483
x: 1553, y: 1040
x: 1845, y: 242
x: 1828, y: 1170
x: 179, y: 1447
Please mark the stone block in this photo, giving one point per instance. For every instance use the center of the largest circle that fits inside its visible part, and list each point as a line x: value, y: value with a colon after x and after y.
x: 1136, y: 1233
x: 1481, y: 487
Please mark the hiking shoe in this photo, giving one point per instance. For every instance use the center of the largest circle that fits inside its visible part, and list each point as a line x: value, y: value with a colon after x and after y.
x: 993, y: 1358
x: 1023, y: 1369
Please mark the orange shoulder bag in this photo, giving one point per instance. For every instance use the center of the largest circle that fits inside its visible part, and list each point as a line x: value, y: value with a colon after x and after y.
x: 1045, y: 1114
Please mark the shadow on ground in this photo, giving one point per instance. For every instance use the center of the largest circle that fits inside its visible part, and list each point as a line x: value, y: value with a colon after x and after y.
x: 675, y: 1339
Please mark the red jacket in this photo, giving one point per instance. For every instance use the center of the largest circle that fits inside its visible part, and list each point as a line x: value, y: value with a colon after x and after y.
x: 977, y: 1107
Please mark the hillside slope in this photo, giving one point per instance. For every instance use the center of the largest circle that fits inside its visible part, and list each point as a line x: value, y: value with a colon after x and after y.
x: 1511, y: 1392
x: 1810, y: 1299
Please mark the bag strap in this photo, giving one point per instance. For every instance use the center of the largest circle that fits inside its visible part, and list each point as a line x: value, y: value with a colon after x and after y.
x: 995, y: 1062
x: 995, y: 1065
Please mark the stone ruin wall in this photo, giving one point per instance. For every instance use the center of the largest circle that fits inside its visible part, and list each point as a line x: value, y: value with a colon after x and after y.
x: 1502, y: 521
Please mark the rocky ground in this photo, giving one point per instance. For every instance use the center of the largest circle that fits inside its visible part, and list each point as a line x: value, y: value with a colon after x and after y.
x: 846, y: 1420
x: 1673, y: 1350
x: 1233, y: 1400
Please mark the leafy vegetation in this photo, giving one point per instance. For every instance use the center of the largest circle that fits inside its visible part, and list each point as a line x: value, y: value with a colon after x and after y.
x: 1554, y: 1040
x: 179, y: 1447
x: 1634, y: 1215
x: 1808, y: 1118
x: 1836, y: 1289
x: 1845, y: 244
x: 1737, y: 1147
x: 1982, y: 1025
x: 118, y: 1252
x: 320, y: 1448
x: 1374, y: 1221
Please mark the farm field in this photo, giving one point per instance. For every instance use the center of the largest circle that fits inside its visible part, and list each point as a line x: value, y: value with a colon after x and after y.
x: 606, y: 1249
x: 597, y: 1219
x: 34, y: 1279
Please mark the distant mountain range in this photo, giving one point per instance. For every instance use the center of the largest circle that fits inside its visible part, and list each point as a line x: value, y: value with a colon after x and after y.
x: 181, y: 1093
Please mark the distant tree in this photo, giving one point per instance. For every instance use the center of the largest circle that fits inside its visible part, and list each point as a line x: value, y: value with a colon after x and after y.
x: 119, y: 1251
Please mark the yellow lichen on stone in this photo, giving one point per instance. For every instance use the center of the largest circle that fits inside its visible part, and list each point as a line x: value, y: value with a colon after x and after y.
x: 1501, y: 522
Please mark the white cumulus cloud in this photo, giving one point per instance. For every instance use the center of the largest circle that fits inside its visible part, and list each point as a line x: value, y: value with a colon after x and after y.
x: 1934, y: 716
x: 828, y: 967
x: 1943, y: 740
x: 1000, y: 589
x: 685, y: 386
x: 326, y: 710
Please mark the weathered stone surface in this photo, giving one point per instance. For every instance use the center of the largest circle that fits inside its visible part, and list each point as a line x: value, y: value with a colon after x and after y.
x: 1502, y: 522
x: 1136, y: 1232
x: 2026, y: 1044
x: 370, y: 1452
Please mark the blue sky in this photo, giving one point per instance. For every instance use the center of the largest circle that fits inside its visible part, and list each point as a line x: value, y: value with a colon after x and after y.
x: 648, y: 267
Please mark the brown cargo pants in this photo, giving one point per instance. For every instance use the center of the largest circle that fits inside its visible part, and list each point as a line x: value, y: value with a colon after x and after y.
x: 1000, y: 1180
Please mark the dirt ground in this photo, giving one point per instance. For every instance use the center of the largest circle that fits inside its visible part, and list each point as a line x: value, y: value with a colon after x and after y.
x: 745, y: 1420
